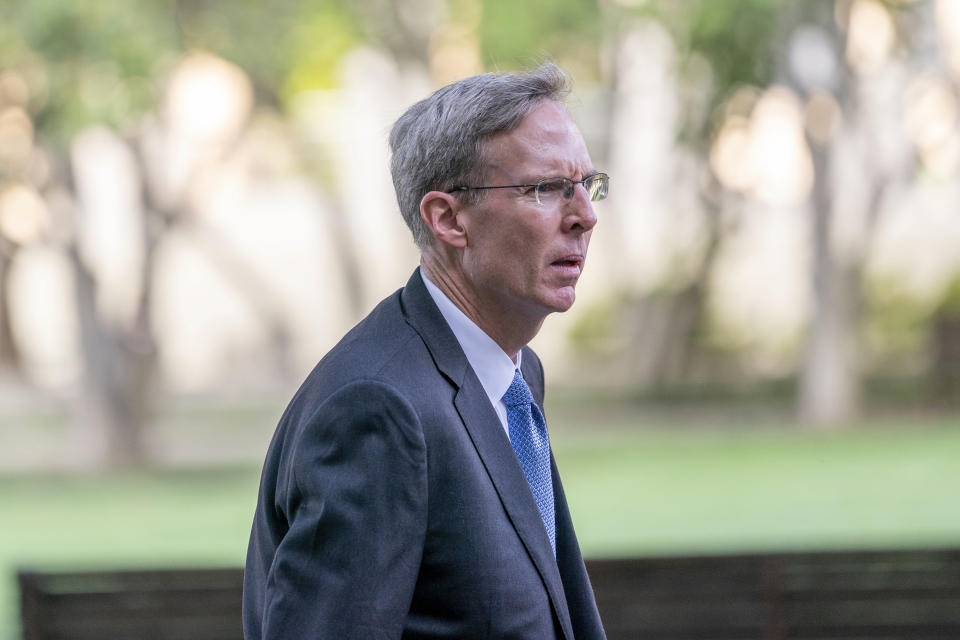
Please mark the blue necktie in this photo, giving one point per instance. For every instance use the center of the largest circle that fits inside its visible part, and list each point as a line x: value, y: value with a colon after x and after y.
x: 528, y: 435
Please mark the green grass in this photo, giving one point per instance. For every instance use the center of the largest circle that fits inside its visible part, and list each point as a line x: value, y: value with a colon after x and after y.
x: 752, y: 491
x: 667, y: 488
x: 158, y: 519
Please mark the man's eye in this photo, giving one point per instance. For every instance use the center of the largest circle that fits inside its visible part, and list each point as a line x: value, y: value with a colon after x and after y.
x: 548, y: 186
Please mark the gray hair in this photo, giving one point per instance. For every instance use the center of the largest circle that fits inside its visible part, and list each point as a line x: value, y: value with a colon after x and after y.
x: 438, y: 143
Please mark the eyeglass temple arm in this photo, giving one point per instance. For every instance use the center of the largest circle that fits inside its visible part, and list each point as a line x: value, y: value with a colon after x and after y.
x: 499, y: 186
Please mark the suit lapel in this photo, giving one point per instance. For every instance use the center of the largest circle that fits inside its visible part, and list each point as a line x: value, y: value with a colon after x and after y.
x: 486, y: 432
x: 501, y: 464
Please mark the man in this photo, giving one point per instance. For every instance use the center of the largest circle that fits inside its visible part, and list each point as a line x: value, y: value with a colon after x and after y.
x: 409, y: 490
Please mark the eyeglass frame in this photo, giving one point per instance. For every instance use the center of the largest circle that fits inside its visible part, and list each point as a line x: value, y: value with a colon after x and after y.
x: 573, y: 184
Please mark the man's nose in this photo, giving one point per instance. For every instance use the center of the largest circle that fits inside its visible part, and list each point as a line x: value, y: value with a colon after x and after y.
x: 578, y: 213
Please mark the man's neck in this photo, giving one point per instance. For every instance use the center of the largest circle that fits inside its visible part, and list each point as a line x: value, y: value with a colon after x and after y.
x: 511, y: 332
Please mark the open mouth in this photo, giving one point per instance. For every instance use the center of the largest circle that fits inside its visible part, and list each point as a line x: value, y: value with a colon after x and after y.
x: 567, y: 262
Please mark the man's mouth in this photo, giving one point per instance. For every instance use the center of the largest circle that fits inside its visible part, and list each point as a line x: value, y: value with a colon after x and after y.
x: 568, y: 262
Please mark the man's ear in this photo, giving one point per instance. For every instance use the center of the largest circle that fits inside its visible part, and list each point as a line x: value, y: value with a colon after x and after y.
x: 440, y: 211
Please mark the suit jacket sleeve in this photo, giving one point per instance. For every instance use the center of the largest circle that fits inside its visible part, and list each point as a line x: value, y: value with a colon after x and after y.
x: 354, y: 499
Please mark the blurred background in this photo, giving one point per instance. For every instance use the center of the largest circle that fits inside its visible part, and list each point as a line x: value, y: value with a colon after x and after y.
x: 195, y: 205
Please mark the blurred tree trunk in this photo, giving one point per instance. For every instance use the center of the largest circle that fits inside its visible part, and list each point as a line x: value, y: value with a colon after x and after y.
x: 661, y: 327
x: 9, y: 354
x: 666, y: 328
x: 664, y: 345
x: 830, y: 381
x: 348, y: 256
x: 404, y: 26
x: 118, y: 366
x: 865, y: 154
x: 257, y: 291
x: 119, y: 360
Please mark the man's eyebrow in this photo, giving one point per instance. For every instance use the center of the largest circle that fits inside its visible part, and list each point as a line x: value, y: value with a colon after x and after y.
x: 589, y: 172
x: 533, y: 179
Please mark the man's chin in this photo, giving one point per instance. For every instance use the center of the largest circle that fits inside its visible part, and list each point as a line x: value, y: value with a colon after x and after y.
x: 563, y: 299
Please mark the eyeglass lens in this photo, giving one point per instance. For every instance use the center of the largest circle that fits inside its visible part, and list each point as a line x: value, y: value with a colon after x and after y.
x: 596, y: 186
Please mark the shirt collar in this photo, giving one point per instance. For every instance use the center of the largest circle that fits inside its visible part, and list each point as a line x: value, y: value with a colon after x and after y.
x: 492, y: 365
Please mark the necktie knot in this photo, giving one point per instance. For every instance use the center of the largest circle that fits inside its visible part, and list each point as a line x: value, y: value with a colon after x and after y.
x: 518, y: 393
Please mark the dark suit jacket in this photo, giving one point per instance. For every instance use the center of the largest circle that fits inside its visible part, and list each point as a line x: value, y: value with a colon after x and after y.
x: 392, y: 504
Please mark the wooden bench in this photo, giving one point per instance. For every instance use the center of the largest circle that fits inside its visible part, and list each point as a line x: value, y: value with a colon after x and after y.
x: 865, y: 594
x: 877, y: 595
x: 188, y: 604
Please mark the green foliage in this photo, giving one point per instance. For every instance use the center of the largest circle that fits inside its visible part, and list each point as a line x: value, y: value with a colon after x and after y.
x: 87, y: 61
x: 104, y: 62
x: 514, y: 34
x: 285, y: 45
x: 738, y: 40
x: 599, y: 328
x: 315, y: 45
x: 950, y: 302
x: 897, y: 324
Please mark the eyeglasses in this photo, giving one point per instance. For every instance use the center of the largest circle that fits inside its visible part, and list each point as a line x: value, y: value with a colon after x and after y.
x: 549, y: 190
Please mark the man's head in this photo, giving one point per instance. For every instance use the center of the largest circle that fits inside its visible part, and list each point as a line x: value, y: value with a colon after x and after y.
x: 495, y: 181
x: 439, y: 142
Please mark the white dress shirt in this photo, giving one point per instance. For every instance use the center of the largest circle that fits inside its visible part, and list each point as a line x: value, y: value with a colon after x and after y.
x: 492, y: 365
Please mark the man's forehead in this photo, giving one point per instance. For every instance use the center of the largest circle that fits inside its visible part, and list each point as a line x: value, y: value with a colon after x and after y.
x: 546, y: 140
x: 548, y: 118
